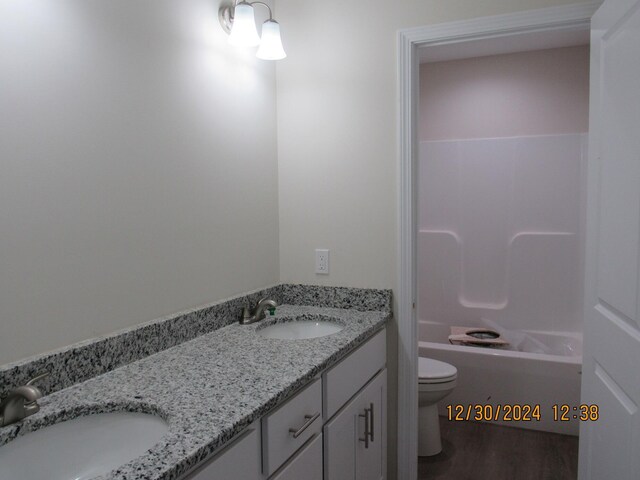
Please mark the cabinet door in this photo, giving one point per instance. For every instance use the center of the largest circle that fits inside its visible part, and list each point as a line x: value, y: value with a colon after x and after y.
x: 344, y: 380
x: 371, y: 459
x: 240, y: 460
x: 356, y: 439
x: 306, y: 464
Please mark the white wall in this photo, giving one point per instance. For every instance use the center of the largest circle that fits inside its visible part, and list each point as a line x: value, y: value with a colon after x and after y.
x: 337, y: 131
x: 541, y: 92
x: 337, y: 150
x: 138, y: 172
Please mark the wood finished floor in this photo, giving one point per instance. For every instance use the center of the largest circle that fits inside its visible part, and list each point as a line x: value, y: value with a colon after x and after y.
x: 481, y: 451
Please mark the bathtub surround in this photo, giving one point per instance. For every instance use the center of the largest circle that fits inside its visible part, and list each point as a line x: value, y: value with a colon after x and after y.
x: 501, y: 175
x: 209, y: 389
x: 79, y: 362
x: 501, y: 233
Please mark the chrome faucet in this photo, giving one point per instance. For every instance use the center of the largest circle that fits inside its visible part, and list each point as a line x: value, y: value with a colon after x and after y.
x: 21, y: 402
x: 258, y: 313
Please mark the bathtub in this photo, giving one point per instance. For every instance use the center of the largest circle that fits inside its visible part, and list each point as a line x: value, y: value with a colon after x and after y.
x: 491, y: 376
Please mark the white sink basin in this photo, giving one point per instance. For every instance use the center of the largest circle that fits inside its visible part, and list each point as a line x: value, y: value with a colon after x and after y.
x: 300, y: 329
x: 81, y: 448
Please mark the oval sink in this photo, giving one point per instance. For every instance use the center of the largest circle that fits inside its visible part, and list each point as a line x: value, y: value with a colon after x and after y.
x: 81, y: 448
x: 299, y: 329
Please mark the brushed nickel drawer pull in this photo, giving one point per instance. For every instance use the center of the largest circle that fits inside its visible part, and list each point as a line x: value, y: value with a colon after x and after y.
x: 372, y: 423
x: 367, y: 427
x: 309, y: 420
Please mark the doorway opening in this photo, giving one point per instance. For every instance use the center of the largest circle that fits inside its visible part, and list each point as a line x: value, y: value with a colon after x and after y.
x: 501, y: 211
x: 553, y: 28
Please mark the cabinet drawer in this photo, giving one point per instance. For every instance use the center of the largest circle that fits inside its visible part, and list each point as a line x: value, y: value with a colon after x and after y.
x: 241, y: 459
x: 345, y: 379
x: 306, y: 464
x: 289, y: 427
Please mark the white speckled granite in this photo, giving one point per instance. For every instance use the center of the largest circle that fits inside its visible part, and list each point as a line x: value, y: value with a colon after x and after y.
x: 81, y: 361
x: 362, y: 299
x: 208, y: 389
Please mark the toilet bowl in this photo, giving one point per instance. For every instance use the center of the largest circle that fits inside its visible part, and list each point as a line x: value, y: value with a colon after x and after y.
x: 436, y: 380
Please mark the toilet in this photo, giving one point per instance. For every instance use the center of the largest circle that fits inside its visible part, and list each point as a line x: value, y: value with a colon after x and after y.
x: 436, y: 380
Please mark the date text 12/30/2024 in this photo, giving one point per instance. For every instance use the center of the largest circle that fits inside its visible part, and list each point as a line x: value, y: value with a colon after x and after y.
x: 522, y: 413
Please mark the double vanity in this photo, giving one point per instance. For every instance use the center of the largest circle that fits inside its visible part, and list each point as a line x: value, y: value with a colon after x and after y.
x: 300, y: 394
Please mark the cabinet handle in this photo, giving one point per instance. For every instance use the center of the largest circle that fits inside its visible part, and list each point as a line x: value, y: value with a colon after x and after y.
x: 367, y: 427
x: 373, y: 425
x: 309, y: 420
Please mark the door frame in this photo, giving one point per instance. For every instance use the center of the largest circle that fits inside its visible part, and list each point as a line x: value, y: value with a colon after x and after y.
x: 567, y: 17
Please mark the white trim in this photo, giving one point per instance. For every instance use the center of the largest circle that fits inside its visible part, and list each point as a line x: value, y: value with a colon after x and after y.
x: 547, y: 19
x: 552, y: 18
x: 407, y: 324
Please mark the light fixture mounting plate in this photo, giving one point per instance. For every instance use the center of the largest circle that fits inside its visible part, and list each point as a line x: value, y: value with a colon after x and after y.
x: 225, y: 15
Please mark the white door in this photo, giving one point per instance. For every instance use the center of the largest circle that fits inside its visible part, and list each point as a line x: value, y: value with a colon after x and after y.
x: 610, y: 445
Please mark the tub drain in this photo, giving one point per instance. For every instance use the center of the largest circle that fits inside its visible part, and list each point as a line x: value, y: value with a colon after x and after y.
x: 483, y: 334
x: 476, y: 337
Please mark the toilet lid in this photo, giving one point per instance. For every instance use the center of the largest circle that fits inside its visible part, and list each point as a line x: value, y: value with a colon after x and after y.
x: 430, y: 370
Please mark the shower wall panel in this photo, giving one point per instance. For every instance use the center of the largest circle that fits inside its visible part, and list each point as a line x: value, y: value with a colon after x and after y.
x: 500, y: 231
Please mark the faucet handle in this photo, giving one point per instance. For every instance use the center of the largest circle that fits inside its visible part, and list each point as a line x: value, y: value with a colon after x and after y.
x: 38, y: 377
x: 33, y: 393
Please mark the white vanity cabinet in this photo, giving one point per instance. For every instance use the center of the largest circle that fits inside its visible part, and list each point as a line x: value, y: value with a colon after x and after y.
x: 355, y: 438
x: 239, y: 460
x: 355, y: 393
x: 344, y: 380
x: 305, y: 465
x: 288, y: 427
x: 332, y: 429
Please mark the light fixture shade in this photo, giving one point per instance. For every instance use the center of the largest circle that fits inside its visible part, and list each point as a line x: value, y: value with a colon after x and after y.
x: 271, y: 44
x: 243, y: 31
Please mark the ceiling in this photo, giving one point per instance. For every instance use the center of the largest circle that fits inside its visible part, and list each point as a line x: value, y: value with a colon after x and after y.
x: 500, y: 45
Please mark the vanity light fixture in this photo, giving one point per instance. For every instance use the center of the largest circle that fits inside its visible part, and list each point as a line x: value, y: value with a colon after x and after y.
x: 238, y: 20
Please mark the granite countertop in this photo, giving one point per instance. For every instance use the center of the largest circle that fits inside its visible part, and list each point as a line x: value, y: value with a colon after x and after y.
x: 208, y: 389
